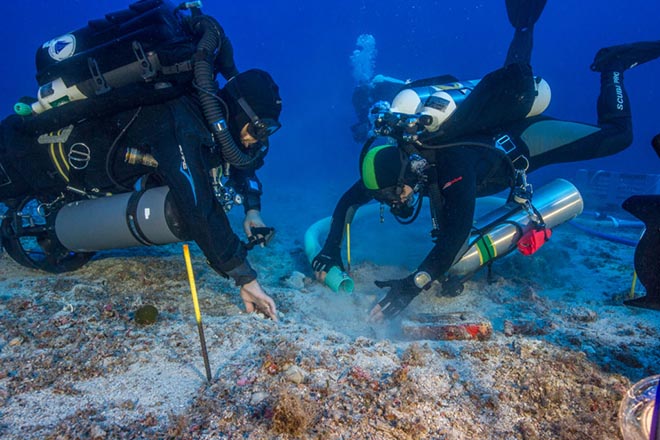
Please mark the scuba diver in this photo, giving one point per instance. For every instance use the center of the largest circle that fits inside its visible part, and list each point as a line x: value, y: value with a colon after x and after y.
x: 370, y: 90
x: 454, y: 143
x: 131, y: 142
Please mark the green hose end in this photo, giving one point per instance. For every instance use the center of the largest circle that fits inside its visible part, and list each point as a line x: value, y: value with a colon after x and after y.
x: 22, y: 109
x: 339, y: 281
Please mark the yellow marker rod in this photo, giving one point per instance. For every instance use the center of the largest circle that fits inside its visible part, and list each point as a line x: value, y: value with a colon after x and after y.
x: 631, y: 295
x: 348, y: 245
x: 198, y: 315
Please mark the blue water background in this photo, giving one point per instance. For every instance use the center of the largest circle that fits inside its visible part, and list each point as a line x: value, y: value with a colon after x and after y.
x: 306, y: 46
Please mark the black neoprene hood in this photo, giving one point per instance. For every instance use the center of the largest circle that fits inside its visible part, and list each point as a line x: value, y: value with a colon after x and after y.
x: 260, y: 91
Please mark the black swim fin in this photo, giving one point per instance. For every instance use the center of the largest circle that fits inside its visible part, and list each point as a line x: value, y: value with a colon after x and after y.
x: 524, y: 13
x: 625, y: 56
x: 647, y: 254
x: 655, y: 143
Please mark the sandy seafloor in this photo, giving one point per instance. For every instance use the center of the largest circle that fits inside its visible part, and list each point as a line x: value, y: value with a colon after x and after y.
x: 75, y: 365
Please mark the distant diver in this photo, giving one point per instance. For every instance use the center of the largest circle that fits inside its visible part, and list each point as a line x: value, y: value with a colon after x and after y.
x: 370, y: 89
x: 647, y: 254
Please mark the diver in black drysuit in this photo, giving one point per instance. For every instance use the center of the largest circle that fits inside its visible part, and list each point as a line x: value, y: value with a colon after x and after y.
x: 462, y: 171
x: 176, y: 134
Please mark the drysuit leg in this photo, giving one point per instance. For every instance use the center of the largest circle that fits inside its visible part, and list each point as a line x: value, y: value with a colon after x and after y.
x: 503, y: 96
x: 551, y: 141
x: 520, y: 49
x: 523, y: 14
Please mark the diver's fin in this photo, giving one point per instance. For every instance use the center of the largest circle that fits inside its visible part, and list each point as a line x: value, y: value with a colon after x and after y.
x: 655, y: 143
x: 646, y: 208
x: 524, y: 13
x: 647, y: 253
x: 432, y: 81
x: 625, y: 56
x: 644, y: 302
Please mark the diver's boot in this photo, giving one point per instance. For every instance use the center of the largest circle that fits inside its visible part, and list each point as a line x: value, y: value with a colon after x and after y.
x: 625, y: 56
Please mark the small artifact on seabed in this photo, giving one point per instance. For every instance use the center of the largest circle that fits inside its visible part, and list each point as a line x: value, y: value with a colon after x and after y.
x: 146, y: 315
x: 447, y: 327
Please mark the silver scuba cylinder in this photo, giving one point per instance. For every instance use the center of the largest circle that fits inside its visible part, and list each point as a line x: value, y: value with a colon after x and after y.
x: 558, y: 202
x: 141, y: 218
x: 441, y: 101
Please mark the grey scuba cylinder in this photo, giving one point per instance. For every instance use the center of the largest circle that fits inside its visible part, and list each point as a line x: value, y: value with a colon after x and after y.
x: 557, y: 202
x: 56, y: 93
x: 141, y: 218
x: 146, y: 46
x: 441, y: 101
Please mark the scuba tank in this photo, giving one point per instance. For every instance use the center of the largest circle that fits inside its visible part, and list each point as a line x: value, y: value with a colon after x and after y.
x: 498, y: 232
x: 145, y: 55
x: 439, y: 101
x: 142, y: 218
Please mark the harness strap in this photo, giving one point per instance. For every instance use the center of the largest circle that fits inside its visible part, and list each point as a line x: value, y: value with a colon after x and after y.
x: 512, y: 151
x: 56, y: 151
x: 183, y: 66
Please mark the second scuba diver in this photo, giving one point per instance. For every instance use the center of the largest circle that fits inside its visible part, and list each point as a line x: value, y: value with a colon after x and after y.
x: 485, y: 145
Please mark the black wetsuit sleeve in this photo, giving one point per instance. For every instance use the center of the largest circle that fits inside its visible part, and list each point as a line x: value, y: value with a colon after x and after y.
x: 179, y: 139
x: 356, y: 196
x: 247, y: 184
x: 457, y: 181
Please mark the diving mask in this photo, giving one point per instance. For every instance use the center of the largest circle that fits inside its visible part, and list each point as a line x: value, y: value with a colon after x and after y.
x: 261, y: 129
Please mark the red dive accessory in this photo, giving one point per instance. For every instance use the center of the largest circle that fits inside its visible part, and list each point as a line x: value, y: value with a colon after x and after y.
x: 532, y: 240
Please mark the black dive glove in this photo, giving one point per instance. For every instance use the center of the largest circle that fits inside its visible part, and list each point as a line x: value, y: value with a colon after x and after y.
x: 401, y: 293
x: 326, y: 259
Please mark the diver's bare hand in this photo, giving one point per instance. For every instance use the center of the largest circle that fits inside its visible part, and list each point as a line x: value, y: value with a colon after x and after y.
x: 255, y: 298
x: 252, y: 220
x: 320, y: 276
x: 376, y: 314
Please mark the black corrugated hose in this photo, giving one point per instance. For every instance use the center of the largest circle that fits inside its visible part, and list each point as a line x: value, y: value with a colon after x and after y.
x: 209, y: 45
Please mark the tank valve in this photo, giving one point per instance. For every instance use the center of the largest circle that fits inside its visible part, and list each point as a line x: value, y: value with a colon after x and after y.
x: 135, y: 156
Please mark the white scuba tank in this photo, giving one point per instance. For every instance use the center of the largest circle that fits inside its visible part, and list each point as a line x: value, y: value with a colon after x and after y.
x: 441, y: 101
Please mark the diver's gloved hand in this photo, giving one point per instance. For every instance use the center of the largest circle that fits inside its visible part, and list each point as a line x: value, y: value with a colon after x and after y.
x: 401, y: 293
x: 524, y: 13
x: 326, y: 260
